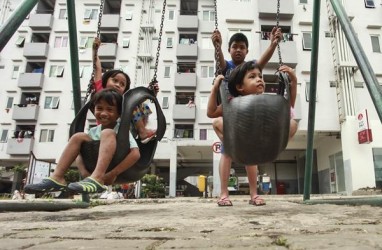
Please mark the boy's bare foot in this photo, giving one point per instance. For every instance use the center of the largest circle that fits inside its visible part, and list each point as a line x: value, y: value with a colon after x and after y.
x: 147, y: 135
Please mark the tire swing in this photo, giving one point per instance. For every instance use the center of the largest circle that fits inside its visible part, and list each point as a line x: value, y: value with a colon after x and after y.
x: 256, y: 127
x: 132, y: 98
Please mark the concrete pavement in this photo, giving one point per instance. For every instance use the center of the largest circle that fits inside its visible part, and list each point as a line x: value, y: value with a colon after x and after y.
x: 196, y: 223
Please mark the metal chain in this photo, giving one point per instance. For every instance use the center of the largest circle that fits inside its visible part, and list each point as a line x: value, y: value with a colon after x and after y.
x: 91, y: 88
x: 154, y: 80
x: 277, y: 26
x: 218, y: 69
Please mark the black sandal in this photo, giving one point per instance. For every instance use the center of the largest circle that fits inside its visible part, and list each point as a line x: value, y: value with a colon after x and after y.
x: 46, y: 185
x: 87, y: 185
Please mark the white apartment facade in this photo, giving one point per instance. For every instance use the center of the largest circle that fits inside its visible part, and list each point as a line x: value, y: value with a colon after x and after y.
x: 36, y: 91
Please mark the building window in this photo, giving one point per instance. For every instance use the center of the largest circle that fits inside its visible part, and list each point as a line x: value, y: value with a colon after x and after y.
x: 184, y: 131
x: 207, y: 71
x: 15, y: 72
x: 91, y: 14
x: 20, y: 41
x: 369, y: 4
x: 170, y: 42
x: 61, y: 42
x: 307, y: 40
x: 375, y: 43
x: 303, y: 1
x: 9, y: 102
x: 171, y: 15
x: 46, y: 135
x: 85, y: 71
x: 208, y: 15
x: 56, y: 71
x: 203, y: 102
x: 51, y: 102
x: 125, y: 42
x: 165, y: 102
x: 86, y: 42
x: 62, y: 14
x: 203, y: 134
x: 129, y: 15
x: 307, y: 92
x: 4, y: 135
x: 207, y: 43
x: 167, y: 71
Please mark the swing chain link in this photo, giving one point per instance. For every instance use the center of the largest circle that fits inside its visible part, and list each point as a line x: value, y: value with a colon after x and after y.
x: 277, y: 26
x: 154, y: 80
x: 218, y: 69
x: 91, y: 88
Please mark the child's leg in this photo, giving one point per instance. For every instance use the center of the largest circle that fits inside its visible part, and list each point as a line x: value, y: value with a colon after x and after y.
x: 224, y: 172
x: 217, y: 124
x: 140, y: 119
x: 132, y: 157
x: 68, y: 156
x: 108, y: 145
x: 252, y: 179
x: 292, y: 128
x: 81, y: 167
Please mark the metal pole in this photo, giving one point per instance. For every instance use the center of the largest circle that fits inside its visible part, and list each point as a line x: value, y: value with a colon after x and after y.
x: 360, y: 56
x: 312, y: 99
x: 15, y: 20
x: 74, y: 55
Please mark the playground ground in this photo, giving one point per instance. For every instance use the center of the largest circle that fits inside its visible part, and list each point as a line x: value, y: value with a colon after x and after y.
x: 197, y: 223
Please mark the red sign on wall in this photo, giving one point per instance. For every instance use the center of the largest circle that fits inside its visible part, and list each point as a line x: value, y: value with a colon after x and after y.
x: 364, y: 132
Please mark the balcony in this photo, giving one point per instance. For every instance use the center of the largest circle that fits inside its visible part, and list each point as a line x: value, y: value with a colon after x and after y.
x: 107, y: 51
x: 17, y: 146
x: 288, y: 53
x: 36, y: 50
x: 25, y: 112
x: 187, y: 51
x: 268, y: 9
x: 183, y: 112
x: 188, y: 23
x: 39, y: 22
x: 185, y: 80
x: 110, y: 22
x: 31, y: 80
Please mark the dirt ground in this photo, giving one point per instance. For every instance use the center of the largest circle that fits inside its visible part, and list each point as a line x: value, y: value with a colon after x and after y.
x: 196, y: 223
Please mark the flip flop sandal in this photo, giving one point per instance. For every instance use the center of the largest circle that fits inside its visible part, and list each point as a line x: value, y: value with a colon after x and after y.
x: 46, y: 185
x: 257, y: 201
x: 225, y: 202
x: 149, y: 138
x: 87, y: 185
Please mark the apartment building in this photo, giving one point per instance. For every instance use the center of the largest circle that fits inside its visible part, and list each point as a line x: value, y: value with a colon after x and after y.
x: 36, y: 98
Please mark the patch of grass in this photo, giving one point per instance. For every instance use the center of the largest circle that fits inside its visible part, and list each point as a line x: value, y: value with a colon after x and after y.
x: 281, y: 241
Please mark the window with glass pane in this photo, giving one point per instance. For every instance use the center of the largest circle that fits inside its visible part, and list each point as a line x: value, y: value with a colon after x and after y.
x: 169, y: 42
x: 15, y: 72
x: 62, y: 14
x: 46, y: 135
x: 165, y: 102
x: 184, y: 131
x: 4, y: 135
x: 369, y: 4
x: 167, y: 71
x: 126, y: 42
x: 129, y: 15
x: 307, y: 40
x: 61, y: 42
x: 9, y: 102
x: 83, y: 42
x: 51, y: 102
x: 303, y: 1
x: 203, y: 134
x: 171, y: 15
x: 20, y: 41
x: 375, y: 43
x: 377, y: 158
x: 208, y: 15
x: 207, y: 71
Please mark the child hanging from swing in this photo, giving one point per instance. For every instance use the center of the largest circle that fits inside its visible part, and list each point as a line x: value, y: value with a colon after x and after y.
x: 246, y: 79
x: 141, y: 112
x: 107, y: 105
